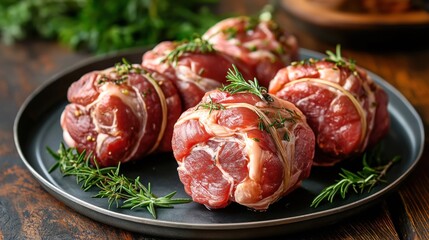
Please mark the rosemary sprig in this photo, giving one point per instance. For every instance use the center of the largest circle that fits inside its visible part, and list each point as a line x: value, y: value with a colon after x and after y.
x: 339, y: 60
x: 112, y: 185
x: 197, y: 44
x: 364, y: 179
x: 237, y: 84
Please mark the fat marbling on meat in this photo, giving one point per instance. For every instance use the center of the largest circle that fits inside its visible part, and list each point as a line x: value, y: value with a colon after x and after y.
x: 261, y: 44
x: 345, y: 108
x: 237, y: 147
x: 194, y: 66
x: 120, y: 114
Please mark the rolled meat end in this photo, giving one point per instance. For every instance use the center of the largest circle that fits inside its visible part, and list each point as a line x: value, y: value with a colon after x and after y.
x: 239, y: 148
x: 259, y: 43
x: 120, y: 114
x: 195, y: 71
x: 345, y: 108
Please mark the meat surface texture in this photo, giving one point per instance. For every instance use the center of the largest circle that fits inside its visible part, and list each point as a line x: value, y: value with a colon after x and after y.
x: 344, y: 107
x: 261, y: 44
x: 193, y: 72
x: 239, y: 148
x: 120, y: 114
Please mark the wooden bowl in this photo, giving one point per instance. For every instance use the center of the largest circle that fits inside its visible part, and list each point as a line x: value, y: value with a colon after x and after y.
x: 408, y: 28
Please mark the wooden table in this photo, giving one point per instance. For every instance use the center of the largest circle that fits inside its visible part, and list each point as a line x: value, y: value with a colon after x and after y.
x: 29, y: 212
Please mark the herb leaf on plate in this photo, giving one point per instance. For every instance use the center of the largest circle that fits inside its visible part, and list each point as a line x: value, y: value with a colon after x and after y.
x: 112, y: 185
x: 374, y: 170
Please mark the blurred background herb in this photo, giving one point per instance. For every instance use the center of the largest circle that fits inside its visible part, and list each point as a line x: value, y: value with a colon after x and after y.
x: 104, y: 25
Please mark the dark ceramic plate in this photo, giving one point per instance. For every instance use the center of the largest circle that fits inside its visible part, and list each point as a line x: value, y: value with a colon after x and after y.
x: 37, y: 127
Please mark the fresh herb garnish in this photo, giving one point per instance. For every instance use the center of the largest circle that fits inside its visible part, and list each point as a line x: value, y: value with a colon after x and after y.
x: 251, y: 23
x: 237, y: 84
x: 197, y: 44
x: 280, y: 120
x: 103, y: 26
x: 339, y: 60
x: 304, y: 61
x: 336, y: 58
x: 266, y: 13
x: 230, y: 32
x: 122, y: 71
x: 262, y: 126
x: 364, y: 179
x: 126, y: 68
x: 210, y: 105
x: 112, y: 185
x: 286, y: 137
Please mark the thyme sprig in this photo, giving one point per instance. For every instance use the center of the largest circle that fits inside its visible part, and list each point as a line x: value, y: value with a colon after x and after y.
x: 339, y: 60
x: 197, y: 44
x: 122, y: 70
x: 210, y: 105
x: 280, y: 120
x: 262, y: 126
x: 126, y: 68
x: 237, y: 84
x: 117, y: 188
x: 365, y: 179
x: 308, y: 61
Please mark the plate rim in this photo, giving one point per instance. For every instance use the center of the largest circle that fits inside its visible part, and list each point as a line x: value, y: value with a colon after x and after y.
x: 60, y: 193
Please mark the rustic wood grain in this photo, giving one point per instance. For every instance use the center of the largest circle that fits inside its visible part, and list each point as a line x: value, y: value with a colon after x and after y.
x: 415, y: 198
x: 374, y: 223
x: 26, y: 210
x: 29, y: 212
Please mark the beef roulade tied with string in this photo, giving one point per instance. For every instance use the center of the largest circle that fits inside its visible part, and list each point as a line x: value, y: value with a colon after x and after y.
x: 194, y: 66
x: 345, y: 108
x: 260, y: 43
x: 240, y: 144
x: 120, y: 114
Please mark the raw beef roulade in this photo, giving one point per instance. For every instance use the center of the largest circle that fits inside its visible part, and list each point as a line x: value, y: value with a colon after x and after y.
x: 259, y: 43
x: 237, y: 147
x: 344, y: 107
x: 194, y: 66
x: 120, y: 114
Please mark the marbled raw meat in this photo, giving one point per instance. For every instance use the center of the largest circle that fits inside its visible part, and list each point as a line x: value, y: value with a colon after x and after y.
x: 224, y: 155
x: 120, y: 116
x: 346, y: 109
x: 194, y: 72
x: 261, y: 44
